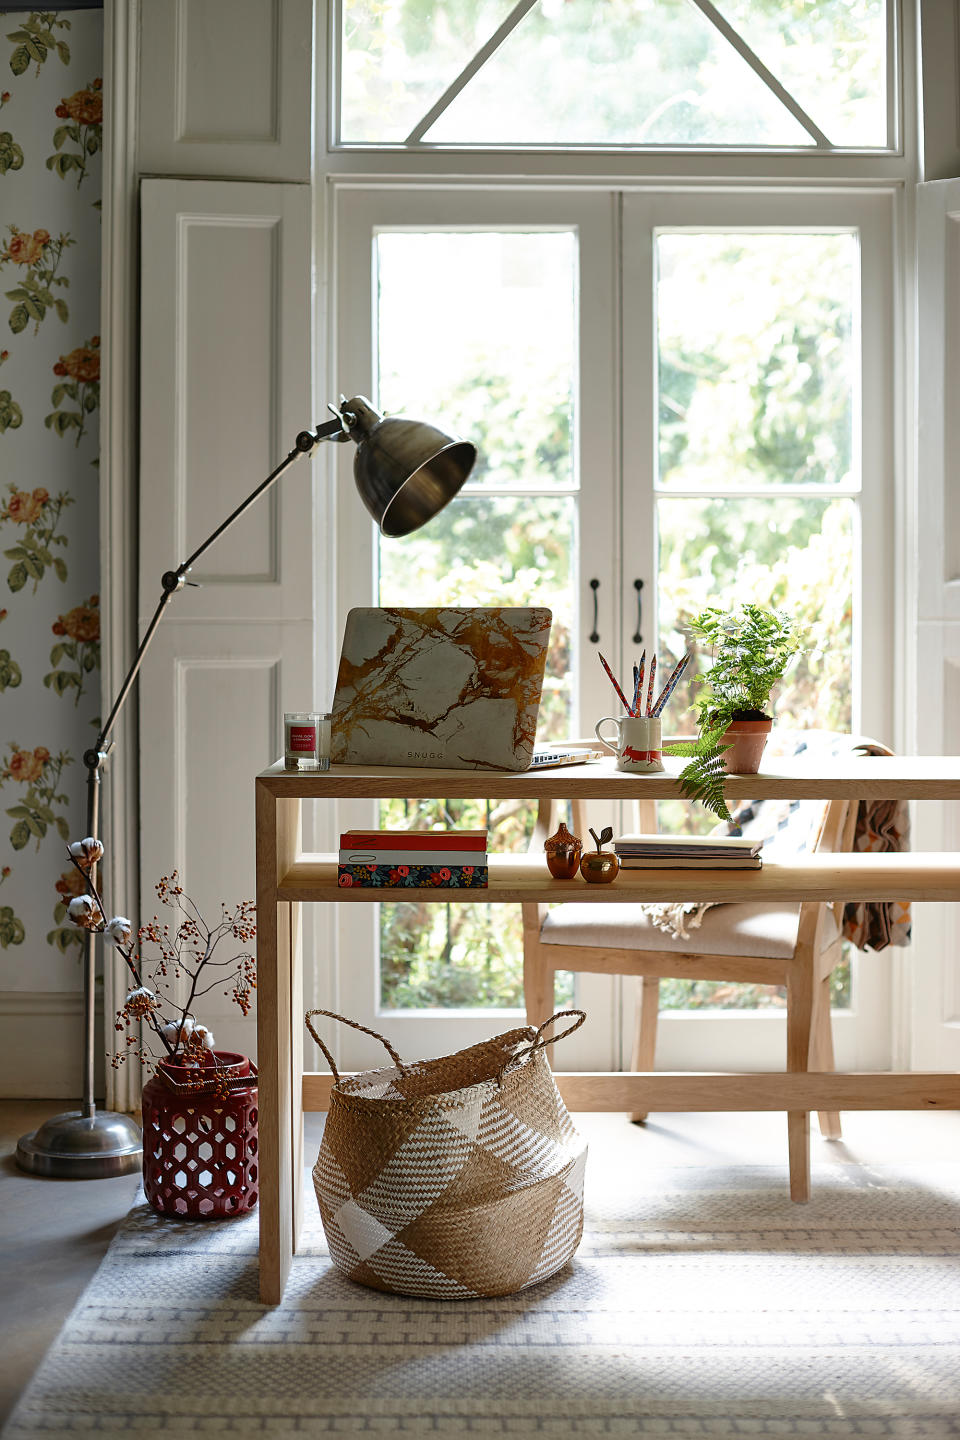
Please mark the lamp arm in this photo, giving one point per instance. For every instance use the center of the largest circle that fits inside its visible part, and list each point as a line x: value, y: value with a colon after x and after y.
x: 173, y: 580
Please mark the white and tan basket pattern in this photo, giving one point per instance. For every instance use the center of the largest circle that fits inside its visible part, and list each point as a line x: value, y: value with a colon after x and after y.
x: 455, y: 1177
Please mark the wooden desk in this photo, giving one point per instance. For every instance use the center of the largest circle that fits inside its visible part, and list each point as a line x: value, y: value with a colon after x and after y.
x: 286, y: 878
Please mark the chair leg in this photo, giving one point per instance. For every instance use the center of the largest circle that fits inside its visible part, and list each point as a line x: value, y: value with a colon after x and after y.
x: 799, y: 1030
x: 821, y: 1057
x: 645, y: 1033
x: 537, y: 974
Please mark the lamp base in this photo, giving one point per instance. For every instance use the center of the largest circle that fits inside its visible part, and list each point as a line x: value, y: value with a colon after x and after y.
x: 74, y: 1146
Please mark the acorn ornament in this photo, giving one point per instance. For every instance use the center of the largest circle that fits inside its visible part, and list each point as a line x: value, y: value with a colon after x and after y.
x: 600, y: 866
x: 563, y: 851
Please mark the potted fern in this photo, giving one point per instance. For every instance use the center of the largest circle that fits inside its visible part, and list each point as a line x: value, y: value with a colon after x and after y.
x: 750, y: 650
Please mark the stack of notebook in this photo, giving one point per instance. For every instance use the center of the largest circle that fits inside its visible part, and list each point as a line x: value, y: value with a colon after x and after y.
x: 408, y: 859
x: 681, y: 852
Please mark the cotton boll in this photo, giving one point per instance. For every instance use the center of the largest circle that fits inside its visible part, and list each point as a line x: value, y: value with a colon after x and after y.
x: 82, y: 911
x: 86, y: 852
x: 203, y: 1036
x: 120, y: 930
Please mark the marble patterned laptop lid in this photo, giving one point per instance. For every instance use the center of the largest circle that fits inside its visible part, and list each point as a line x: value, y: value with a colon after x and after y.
x: 440, y: 686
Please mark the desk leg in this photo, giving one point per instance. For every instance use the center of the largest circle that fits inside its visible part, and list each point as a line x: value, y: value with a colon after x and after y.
x: 278, y: 835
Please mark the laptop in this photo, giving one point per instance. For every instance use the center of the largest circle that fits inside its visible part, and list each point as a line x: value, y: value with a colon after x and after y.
x: 440, y: 686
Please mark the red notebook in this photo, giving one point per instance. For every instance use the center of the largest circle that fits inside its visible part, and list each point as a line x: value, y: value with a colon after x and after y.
x: 382, y: 840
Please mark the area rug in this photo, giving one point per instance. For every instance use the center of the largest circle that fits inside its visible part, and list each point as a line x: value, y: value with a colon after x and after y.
x: 701, y: 1303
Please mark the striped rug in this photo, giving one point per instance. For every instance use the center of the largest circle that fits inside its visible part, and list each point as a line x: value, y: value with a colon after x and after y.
x: 701, y: 1303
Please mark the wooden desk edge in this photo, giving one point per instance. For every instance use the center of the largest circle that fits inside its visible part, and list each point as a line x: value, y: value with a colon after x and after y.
x: 682, y: 1090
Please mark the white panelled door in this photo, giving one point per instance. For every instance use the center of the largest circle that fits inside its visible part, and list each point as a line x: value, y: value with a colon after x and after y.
x: 935, y: 975
x: 225, y: 388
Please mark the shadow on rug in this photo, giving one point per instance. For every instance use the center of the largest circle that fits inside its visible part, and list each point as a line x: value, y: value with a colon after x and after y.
x: 701, y: 1303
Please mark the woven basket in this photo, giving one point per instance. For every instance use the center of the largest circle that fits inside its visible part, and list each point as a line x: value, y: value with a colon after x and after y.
x: 455, y: 1177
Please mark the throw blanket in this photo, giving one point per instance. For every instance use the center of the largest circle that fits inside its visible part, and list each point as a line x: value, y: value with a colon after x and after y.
x: 790, y: 827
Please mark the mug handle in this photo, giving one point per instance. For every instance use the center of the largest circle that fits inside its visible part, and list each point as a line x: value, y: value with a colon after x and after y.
x: 602, y: 738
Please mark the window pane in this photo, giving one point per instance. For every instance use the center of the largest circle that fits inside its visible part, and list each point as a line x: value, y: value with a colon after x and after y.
x: 510, y: 299
x: 756, y: 370
x: 479, y: 328
x: 794, y: 552
x: 830, y: 56
x: 637, y: 73
x: 399, y: 56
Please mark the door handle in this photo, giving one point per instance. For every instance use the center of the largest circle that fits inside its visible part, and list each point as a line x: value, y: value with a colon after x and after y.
x: 638, y: 586
x: 594, y: 635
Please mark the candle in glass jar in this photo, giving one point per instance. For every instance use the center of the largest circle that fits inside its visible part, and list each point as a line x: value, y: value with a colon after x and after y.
x: 300, y: 740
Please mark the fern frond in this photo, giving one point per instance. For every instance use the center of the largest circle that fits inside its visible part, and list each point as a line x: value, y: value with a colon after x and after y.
x: 703, y: 779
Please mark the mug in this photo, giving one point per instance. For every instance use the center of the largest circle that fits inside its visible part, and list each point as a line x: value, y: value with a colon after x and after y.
x: 638, y: 743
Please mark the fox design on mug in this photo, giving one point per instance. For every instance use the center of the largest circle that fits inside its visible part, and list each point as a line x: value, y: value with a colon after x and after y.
x: 637, y: 746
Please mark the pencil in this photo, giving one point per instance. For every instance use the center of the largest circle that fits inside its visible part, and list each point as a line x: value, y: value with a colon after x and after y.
x: 613, y: 681
x: 638, y: 683
x: 653, y: 671
x: 671, y: 685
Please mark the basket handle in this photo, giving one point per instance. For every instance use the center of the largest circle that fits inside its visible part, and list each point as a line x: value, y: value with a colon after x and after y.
x: 355, y: 1024
x: 538, y: 1042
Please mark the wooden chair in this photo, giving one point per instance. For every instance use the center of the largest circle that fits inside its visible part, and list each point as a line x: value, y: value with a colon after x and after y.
x: 798, y: 946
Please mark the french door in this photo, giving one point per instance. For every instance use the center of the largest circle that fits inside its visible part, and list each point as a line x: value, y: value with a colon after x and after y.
x: 680, y: 399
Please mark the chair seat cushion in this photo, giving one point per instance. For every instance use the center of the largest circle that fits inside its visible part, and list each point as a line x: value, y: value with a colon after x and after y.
x: 732, y: 929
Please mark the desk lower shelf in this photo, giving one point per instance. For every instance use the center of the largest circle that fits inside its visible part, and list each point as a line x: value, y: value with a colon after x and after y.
x: 917, y: 876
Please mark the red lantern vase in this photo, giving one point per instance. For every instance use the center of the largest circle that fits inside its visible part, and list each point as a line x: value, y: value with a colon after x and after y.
x: 200, y: 1156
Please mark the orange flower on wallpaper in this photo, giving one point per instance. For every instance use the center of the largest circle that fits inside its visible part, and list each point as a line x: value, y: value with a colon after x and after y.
x: 80, y: 623
x: 83, y: 106
x: 77, y: 393
x: 82, y: 363
x: 26, y: 766
x: 25, y: 507
x: 26, y: 249
x: 77, y: 651
x: 71, y: 883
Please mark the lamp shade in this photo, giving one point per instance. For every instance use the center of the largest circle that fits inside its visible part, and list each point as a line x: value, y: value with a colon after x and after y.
x: 406, y: 470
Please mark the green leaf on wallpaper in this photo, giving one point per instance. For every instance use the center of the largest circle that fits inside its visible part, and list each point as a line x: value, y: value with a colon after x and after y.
x: 62, y: 310
x: 33, y: 567
x: 20, y: 835
x: 10, y: 673
x: 63, y: 827
x: 90, y: 660
x: 36, y: 50
x: 17, y: 811
x: 19, y: 319
x: 92, y: 399
x: 17, y: 577
x: 60, y: 135
x: 20, y: 60
x: 60, y: 568
x: 56, y: 654
x: 12, y: 931
x: 63, y: 50
x: 11, y: 155
x: 57, y: 395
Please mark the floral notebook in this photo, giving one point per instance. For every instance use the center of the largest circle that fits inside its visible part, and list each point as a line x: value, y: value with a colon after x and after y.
x: 440, y: 686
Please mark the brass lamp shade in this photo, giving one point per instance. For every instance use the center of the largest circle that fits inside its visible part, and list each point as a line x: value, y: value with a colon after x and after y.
x: 406, y: 470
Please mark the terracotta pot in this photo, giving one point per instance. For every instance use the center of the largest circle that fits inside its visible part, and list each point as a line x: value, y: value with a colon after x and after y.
x: 747, y: 739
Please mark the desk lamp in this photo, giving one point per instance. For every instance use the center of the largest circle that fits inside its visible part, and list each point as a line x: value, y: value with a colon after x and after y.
x: 405, y: 470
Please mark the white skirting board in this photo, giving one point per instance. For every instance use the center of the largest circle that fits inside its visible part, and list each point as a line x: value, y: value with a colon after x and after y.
x: 41, y: 1045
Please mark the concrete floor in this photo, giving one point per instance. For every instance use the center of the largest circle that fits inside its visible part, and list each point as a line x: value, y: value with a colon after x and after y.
x: 54, y: 1233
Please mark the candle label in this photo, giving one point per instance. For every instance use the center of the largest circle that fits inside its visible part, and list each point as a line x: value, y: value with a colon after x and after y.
x: 302, y: 739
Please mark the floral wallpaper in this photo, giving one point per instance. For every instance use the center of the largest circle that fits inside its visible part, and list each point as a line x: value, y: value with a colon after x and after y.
x: 51, y: 111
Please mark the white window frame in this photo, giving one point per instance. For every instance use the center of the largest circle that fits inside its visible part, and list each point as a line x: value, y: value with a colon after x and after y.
x: 897, y: 14
x: 841, y: 182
